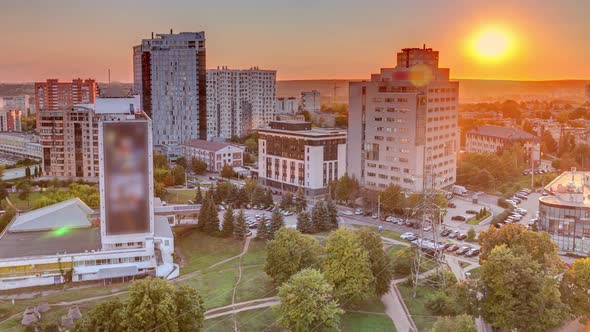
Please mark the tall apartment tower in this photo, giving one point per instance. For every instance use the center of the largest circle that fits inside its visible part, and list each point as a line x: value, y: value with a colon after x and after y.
x: 239, y: 100
x: 170, y: 76
x: 403, y: 122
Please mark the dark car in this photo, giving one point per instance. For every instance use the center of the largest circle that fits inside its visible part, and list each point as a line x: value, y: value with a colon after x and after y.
x: 367, y: 213
x: 408, y: 224
x: 451, y: 205
x: 452, y: 248
x: 463, y: 250
x: 458, y: 218
x: 445, y: 232
x: 461, y: 236
x: 446, y: 245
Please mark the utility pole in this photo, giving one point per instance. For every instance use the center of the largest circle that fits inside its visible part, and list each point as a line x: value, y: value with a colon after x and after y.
x: 379, y: 207
x: 532, y: 170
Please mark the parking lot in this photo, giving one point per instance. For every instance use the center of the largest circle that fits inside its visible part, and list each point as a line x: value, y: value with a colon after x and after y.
x: 290, y: 221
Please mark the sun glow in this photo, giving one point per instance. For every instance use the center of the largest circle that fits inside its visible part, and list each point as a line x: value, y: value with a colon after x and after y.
x: 492, y: 44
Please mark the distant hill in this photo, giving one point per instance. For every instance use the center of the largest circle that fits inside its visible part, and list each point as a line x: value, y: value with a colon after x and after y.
x: 470, y: 90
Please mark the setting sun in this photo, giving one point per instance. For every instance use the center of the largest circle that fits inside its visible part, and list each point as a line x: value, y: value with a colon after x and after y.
x: 491, y: 44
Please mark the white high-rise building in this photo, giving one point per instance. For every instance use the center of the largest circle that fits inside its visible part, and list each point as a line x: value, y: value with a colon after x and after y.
x: 170, y: 76
x: 287, y: 105
x: 310, y: 101
x: 239, y: 100
x: 403, y: 119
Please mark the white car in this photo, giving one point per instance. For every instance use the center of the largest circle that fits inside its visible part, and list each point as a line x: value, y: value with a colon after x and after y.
x: 358, y: 212
x: 407, y: 235
x: 516, y: 217
x: 347, y: 213
x: 427, y: 228
x: 521, y: 211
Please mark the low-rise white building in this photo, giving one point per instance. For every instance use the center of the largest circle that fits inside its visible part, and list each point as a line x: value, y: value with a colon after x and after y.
x: 310, y: 101
x: 214, y: 154
x: 493, y: 139
x: 21, y: 145
x: 291, y: 155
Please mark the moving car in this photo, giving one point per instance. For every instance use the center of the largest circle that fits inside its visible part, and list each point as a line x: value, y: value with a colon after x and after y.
x: 358, y: 212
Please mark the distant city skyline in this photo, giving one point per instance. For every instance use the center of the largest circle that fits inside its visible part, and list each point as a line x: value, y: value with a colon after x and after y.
x: 326, y: 39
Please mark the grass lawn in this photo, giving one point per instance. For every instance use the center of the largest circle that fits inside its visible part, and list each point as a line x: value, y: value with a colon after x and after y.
x: 255, y: 284
x: 179, y: 196
x: 392, y: 250
x: 385, y: 232
x: 201, y: 251
x: 475, y: 273
x: 24, y: 204
x: 421, y: 316
x: 353, y: 321
x: 215, y: 286
x: 463, y: 264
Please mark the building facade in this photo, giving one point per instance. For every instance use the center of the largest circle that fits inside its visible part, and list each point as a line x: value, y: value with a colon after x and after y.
x: 239, y: 100
x: 292, y: 155
x: 19, y: 103
x: 493, y: 139
x: 403, y: 124
x: 21, y: 145
x: 214, y: 154
x: 565, y: 212
x: 53, y: 95
x: 10, y: 120
x: 310, y: 101
x: 170, y: 76
x: 287, y: 105
x: 69, y: 137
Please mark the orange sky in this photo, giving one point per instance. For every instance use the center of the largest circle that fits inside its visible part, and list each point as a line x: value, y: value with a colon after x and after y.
x: 300, y: 39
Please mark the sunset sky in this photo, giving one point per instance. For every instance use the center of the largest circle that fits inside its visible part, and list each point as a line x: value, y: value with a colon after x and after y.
x: 302, y: 39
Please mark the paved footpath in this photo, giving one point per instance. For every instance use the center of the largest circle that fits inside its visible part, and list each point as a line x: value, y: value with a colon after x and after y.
x: 395, y: 308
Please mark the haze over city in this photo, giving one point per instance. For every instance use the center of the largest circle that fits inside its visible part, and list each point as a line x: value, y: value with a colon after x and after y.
x: 328, y: 39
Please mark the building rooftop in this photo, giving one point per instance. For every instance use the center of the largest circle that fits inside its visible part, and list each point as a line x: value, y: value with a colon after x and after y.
x: 46, y: 243
x: 503, y: 132
x: 72, y: 213
x: 114, y: 105
x: 162, y: 227
x: 208, y: 145
x: 571, y: 188
x: 302, y: 128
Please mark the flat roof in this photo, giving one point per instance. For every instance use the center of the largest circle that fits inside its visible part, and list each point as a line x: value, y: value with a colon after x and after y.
x: 314, y: 132
x: 569, y: 189
x: 113, y: 105
x: 47, y: 243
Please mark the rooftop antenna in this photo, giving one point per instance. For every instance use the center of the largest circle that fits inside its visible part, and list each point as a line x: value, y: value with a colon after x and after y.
x: 424, y: 46
x: 109, y: 76
x: 152, y: 35
x: 171, y: 31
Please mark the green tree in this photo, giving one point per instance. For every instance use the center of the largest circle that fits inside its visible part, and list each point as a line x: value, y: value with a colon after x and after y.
x: 227, y: 171
x: 347, y: 266
x: 227, y: 228
x: 470, y: 235
x: 519, y: 293
x: 403, y: 261
x: 179, y: 174
x: 268, y: 200
x: 198, y: 195
x: 392, y: 198
x: 240, y: 227
x: 464, y: 297
x: 300, y: 201
x: 262, y: 230
x: 37, y: 171
x: 152, y: 303
x: 159, y: 189
x: 461, y: 323
x: 24, y: 189
x: 27, y: 172
x: 276, y: 222
x: 439, y: 303
x: 380, y: 262
x: 307, y: 303
x: 198, y: 166
x: 332, y: 214
x: 304, y: 223
x: 104, y: 317
x: 575, y: 288
x: 212, y: 222
x: 257, y: 197
x: 181, y: 162
x: 290, y: 252
x: 286, y: 200
x: 320, y: 220
x: 160, y: 161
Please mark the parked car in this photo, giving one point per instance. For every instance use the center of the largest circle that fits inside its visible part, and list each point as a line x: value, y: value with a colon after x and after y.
x: 427, y: 228
x: 452, y: 248
x: 471, y: 212
x: 346, y: 212
x: 472, y: 253
x: 461, y: 236
x: 406, y: 235
x: 446, y: 245
x: 408, y: 223
x: 458, y: 218
x: 451, y: 205
x: 358, y: 212
x: 367, y: 213
x: 374, y: 216
x: 445, y: 232
x: 454, y: 234
x: 463, y: 250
